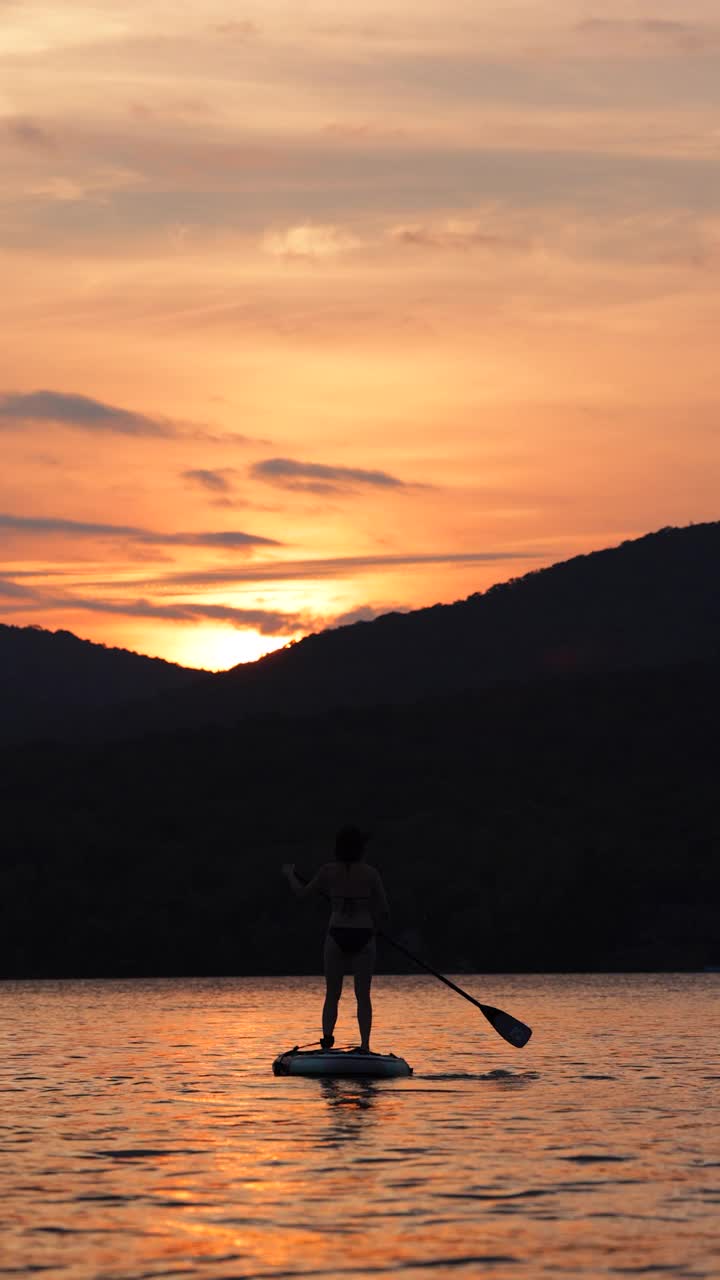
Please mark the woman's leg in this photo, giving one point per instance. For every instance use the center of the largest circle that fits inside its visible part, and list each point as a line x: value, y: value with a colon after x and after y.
x: 334, y: 971
x: 363, y: 968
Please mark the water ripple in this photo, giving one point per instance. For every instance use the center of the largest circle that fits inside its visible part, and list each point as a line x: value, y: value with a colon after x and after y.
x: 145, y: 1136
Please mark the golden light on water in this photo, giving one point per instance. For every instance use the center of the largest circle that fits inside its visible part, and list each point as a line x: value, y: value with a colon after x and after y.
x: 187, y: 1152
x: 593, y: 1148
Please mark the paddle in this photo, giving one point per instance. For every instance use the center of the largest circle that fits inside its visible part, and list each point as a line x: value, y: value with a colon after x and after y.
x: 515, y: 1032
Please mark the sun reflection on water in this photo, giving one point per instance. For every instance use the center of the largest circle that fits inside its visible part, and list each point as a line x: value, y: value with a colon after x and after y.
x: 145, y: 1135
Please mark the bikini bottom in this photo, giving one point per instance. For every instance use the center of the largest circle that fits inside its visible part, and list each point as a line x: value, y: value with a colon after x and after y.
x: 350, y: 941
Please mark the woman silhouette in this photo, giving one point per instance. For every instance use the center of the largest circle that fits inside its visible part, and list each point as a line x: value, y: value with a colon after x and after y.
x: 359, y: 907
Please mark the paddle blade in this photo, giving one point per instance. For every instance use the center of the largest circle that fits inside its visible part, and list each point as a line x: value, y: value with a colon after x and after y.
x: 516, y: 1033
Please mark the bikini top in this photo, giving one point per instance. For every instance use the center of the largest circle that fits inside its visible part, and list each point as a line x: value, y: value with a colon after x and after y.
x: 347, y: 904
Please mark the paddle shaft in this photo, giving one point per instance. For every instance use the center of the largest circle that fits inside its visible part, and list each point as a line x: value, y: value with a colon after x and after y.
x: 441, y: 977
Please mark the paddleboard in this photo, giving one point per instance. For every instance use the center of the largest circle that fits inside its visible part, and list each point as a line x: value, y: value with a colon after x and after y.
x: 339, y: 1062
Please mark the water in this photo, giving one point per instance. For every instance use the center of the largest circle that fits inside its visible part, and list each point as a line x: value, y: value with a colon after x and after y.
x: 143, y: 1134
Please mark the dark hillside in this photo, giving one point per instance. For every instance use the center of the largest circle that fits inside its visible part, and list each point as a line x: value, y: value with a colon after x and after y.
x: 50, y: 679
x: 648, y: 603
x: 539, y: 765
x: 568, y: 824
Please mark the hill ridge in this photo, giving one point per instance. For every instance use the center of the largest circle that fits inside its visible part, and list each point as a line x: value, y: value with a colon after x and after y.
x: 647, y: 603
x: 50, y: 678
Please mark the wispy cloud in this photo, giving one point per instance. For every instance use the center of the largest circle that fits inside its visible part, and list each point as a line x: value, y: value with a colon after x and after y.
x: 240, y: 29
x: 162, y: 607
x: 316, y: 477
x: 267, y: 622
x: 15, y: 590
x: 230, y: 539
x: 28, y: 133
x: 317, y: 570
x: 223, y: 437
x: 309, y: 241
x: 361, y: 131
x: 83, y: 412
x: 215, y: 481
x: 455, y: 233
x: 687, y: 36
x: 97, y: 185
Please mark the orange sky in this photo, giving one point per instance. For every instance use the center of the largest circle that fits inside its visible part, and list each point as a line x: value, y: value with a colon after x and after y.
x: 308, y: 317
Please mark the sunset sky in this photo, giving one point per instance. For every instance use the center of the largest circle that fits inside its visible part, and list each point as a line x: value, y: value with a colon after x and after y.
x: 313, y: 310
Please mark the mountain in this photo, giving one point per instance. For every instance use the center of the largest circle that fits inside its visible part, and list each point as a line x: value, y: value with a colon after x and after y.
x: 49, y: 680
x: 646, y: 604
x: 538, y: 766
x: 562, y: 825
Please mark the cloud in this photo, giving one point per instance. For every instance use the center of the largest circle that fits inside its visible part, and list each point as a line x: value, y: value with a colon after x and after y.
x: 314, y: 477
x: 688, y: 36
x: 23, y: 409
x: 50, y: 524
x: 243, y: 29
x: 96, y: 186
x: 13, y: 590
x: 309, y: 241
x: 215, y: 481
x: 337, y: 567
x: 20, y: 409
x: 224, y: 437
x: 361, y: 131
x: 17, y: 599
x: 28, y: 133
x: 267, y: 621
x: 179, y: 108
x: 455, y: 234
x: 229, y: 539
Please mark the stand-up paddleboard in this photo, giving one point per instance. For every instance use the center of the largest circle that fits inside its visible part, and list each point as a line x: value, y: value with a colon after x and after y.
x: 339, y: 1062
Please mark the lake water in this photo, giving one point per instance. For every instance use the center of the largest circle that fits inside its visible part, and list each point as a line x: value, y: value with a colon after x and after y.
x: 143, y: 1133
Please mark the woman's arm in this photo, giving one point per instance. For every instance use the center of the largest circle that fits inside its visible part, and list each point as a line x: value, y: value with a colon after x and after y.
x: 316, y: 885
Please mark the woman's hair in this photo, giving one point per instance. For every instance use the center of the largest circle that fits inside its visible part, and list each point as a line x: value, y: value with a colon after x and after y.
x: 350, y: 844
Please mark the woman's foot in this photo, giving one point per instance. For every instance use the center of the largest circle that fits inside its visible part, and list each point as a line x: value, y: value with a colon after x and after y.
x: 327, y: 1042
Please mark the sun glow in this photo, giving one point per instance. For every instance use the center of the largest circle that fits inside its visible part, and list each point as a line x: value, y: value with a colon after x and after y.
x: 214, y: 648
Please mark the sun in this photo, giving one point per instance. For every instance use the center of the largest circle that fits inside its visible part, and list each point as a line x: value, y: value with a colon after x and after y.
x: 214, y: 648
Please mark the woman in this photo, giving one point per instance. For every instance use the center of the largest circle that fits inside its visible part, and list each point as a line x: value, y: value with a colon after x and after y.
x: 359, y: 906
